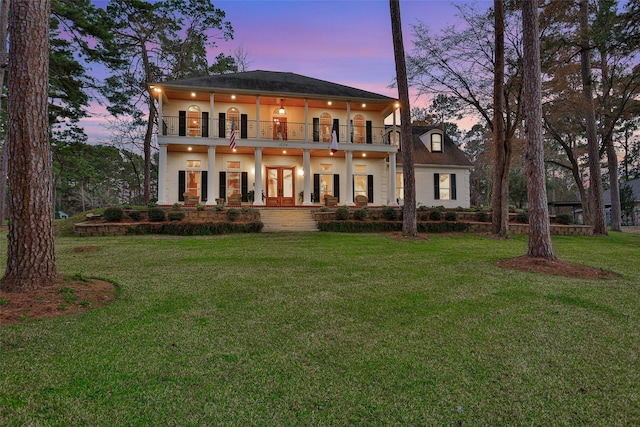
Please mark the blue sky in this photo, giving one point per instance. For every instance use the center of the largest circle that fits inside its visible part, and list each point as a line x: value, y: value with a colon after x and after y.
x: 342, y: 41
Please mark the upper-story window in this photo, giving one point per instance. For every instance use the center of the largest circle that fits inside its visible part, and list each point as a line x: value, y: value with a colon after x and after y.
x: 436, y: 143
x: 358, y: 129
x: 326, y: 125
x: 193, y: 120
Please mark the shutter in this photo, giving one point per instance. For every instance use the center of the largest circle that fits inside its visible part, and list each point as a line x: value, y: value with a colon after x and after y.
x: 336, y: 186
x: 244, y: 120
x: 223, y: 185
x: 182, y: 185
x: 205, y: 124
x: 453, y: 186
x: 164, y: 127
x: 222, y: 121
x: 436, y: 186
x: 316, y: 129
x: 316, y: 186
x: 244, y: 177
x: 351, y: 136
x: 370, y: 188
x: 336, y: 124
x: 369, y: 131
x: 182, y: 123
x: 204, y: 185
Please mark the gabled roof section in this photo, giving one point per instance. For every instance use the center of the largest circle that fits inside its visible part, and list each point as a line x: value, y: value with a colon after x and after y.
x: 451, y: 155
x: 635, y: 187
x: 275, y: 83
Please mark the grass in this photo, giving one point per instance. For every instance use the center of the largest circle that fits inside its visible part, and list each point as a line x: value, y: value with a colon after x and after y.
x: 332, y: 329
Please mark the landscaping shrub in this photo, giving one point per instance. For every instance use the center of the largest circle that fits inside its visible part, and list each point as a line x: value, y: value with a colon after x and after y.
x: 175, y: 215
x: 442, y: 227
x: 450, y: 216
x: 176, y: 205
x: 200, y: 207
x: 233, y: 214
x: 156, y: 214
x: 482, y: 217
x: 522, y: 217
x: 435, y: 215
x: 389, y: 213
x: 360, y: 214
x: 342, y: 213
x: 135, y: 215
x: 565, y: 219
x: 113, y: 214
x: 424, y: 217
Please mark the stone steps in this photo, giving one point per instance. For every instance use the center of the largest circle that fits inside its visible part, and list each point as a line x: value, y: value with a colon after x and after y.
x: 283, y: 220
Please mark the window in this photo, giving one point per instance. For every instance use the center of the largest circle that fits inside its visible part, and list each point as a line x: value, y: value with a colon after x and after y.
x: 326, y: 126
x: 436, y: 143
x: 193, y: 177
x: 233, y: 116
x: 399, y: 188
x: 233, y: 178
x: 358, y: 129
x: 193, y: 120
x: 360, y: 181
x: 444, y: 186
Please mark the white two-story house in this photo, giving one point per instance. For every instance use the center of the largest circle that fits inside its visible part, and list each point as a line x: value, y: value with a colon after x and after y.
x: 267, y: 136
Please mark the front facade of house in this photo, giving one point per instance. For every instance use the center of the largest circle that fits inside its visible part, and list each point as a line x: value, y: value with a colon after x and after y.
x: 269, y: 134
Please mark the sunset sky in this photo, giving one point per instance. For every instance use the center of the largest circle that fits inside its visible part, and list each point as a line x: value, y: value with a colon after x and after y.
x: 342, y: 41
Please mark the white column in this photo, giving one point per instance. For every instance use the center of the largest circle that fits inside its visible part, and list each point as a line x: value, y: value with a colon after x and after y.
x: 349, y: 159
x: 160, y: 115
x: 306, y: 160
x: 162, y: 168
x: 211, y: 116
x: 258, y: 118
x: 392, y: 180
x: 257, y: 195
x: 349, y: 139
x: 306, y: 121
x: 212, y: 176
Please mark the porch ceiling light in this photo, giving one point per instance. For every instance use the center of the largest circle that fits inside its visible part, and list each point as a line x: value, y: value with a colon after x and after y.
x: 193, y: 94
x: 282, y: 110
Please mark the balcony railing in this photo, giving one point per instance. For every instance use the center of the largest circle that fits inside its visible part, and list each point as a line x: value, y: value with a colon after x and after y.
x: 271, y: 130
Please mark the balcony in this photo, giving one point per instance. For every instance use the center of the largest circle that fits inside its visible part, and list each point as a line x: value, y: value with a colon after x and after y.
x: 272, y: 131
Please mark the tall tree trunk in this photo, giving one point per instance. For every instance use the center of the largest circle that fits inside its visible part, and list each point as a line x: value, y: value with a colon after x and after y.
x: 409, y: 223
x: 595, y: 175
x: 500, y: 192
x: 4, y: 164
x: 31, y: 252
x: 539, y: 228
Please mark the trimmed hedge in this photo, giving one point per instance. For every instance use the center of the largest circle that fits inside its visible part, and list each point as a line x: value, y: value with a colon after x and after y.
x: 379, y: 226
x: 202, y: 229
x: 113, y: 214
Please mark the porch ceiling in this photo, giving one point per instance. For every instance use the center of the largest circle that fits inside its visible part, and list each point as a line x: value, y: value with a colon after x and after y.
x: 295, y: 152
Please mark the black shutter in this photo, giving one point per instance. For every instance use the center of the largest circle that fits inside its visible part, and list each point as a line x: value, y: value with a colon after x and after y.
x: 222, y: 121
x: 244, y: 120
x: 223, y: 185
x: 205, y: 124
x: 204, y: 185
x: 369, y: 131
x: 453, y: 186
x: 336, y: 125
x: 164, y: 127
x: 436, y: 186
x: 316, y: 129
x: 336, y: 185
x: 351, y: 136
x: 182, y: 123
x: 316, y: 186
x: 370, y: 188
x: 182, y: 185
x: 244, y: 177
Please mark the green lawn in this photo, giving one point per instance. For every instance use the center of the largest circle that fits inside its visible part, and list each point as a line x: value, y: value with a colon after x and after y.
x: 332, y: 329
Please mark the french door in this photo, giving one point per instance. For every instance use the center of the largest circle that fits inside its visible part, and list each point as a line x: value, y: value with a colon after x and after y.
x: 280, y: 186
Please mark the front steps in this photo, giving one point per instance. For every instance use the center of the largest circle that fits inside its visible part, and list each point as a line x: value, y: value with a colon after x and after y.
x: 282, y: 220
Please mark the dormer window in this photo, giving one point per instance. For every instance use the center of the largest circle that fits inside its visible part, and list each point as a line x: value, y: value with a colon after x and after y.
x: 436, y: 143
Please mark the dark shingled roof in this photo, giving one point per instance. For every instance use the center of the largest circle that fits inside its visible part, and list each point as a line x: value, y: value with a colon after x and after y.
x: 451, y: 155
x: 635, y: 187
x: 277, y: 83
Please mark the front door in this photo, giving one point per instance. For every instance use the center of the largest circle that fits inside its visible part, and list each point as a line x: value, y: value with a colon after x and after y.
x: 280, y: 187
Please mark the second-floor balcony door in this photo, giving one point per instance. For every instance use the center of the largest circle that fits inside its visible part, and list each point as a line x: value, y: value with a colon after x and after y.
x: 280, y: 128
x: 280, y: 187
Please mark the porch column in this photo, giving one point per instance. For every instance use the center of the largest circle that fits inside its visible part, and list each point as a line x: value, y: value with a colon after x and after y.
x: 257, y: 186
x: 258, y: 119
x: 306, y: 124
x: 306, y: 160
x: 162, y: 167
x: 211, y: 116
x: 160, y: 115
x: 212, y: 176
x: 393, y: 201
x: 349, y: 158
x: 349, y: 138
